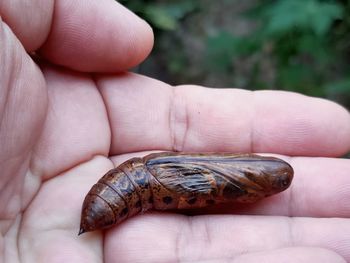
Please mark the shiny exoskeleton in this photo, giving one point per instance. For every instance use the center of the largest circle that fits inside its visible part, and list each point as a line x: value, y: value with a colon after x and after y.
x: 171, y: 180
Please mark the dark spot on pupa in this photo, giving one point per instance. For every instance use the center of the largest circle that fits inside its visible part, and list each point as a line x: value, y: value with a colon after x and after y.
x: 124, y: 212
x: 210, y: 202
x: 138, y: 204
x: 150, y: 200
x: 167, y: 200
x: 192, y: 201
x: 232, y: 191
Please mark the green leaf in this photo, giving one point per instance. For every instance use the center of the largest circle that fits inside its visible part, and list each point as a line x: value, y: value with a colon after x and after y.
x: 160, y: 17
x: 166, y: 16
x: 339, y: 87
x: 287, y: 15
x: 180, y: 9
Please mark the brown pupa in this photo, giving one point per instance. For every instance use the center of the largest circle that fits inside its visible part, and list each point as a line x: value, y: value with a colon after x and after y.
x: 172, y: 180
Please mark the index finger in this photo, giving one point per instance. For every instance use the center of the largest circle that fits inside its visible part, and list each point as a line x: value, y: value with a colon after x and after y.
x: 84, y: 35
x: 146, y: 114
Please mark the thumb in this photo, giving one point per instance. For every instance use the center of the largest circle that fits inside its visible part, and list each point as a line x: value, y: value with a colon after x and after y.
x: 23, y: 103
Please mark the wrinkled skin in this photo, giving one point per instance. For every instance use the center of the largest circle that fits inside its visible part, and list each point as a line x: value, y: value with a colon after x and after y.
x: 66, y: 122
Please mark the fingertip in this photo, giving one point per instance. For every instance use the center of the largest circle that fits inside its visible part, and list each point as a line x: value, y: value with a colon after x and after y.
x: 344, y: 129
x: 295, y: 124
x: 99, y: 36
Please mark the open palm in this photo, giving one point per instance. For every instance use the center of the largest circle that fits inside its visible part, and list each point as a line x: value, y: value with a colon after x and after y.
x: 67, y: 118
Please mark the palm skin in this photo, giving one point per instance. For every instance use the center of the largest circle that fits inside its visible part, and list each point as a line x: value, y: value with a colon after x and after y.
x: 65, y: 124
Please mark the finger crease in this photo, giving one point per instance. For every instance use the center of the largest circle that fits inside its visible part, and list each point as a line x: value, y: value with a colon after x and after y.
x: 252, y: 124
x: 178, y: 120
x: 291, y: 234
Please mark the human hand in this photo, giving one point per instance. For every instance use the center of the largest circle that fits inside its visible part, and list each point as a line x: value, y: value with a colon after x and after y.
x: 61, y: 130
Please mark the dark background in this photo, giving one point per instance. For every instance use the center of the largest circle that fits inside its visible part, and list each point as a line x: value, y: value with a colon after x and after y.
x: 296, y: 45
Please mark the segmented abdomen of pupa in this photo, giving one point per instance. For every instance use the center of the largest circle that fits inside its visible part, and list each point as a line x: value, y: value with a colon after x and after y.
x: 123, y: 192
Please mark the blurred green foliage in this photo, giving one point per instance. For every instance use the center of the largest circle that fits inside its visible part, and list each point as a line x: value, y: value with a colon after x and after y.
x: 164, y: 15
x: 298, y: 45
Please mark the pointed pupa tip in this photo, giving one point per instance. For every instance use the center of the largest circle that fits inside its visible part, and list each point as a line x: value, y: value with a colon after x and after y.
x: 81, y: 231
